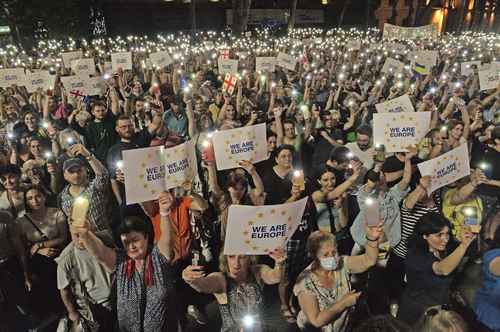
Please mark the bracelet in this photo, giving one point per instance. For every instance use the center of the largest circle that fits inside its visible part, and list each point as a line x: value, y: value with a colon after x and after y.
x: 91, y: 156
x: 370, y: 240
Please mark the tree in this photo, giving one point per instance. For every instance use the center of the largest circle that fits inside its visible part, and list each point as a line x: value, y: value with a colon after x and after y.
x: 241, y: 11
x: 293, y: 10
x: 342, y: 13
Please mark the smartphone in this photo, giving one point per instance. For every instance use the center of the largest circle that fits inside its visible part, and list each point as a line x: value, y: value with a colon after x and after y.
x: 487, y: 169
x: 372, y: 213
x: 298, y: 179
x: 471, y: 219
x: 208, y: 151
x: 380, y: 153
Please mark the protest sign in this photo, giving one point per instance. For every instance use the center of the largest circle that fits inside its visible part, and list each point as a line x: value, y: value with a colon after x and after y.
x: 94, y: 86
x: 75, y: 85
x: 424, y: 61
x: 234, y: 145
x: 68, y: 57
x: 121, y: 60
x: 12, y: 76
x: 353, y: 44
x: 40, y: 79
x: 161, y: 59
x: 447, y: 168
x: 392, y: 66
x: 398, y: 131
x: 286, y: 61
x: 83, y: 67
x: 227, y: 66
x: 257, y: 230
x: 265, y: 63
x: 396, y: 32
x: 466, y: 67
x: 489, y: 79
x: 149, y: 171
x: 396, y: 47
x: 396, y: 105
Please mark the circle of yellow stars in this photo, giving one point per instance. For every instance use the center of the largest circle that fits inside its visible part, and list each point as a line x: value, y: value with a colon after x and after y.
x: 259, y: 218
x: 248, y: 135
x: 412, y: 122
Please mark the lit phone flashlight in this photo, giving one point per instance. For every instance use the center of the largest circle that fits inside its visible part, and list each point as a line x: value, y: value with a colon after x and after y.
x: 486, y: 168
x: 119, y: 164
x: 471, y: 219
x: 372, y: 214
x: 298, y: 179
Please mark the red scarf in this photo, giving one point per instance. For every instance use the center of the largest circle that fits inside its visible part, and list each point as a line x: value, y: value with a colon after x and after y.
x: 148, y: 275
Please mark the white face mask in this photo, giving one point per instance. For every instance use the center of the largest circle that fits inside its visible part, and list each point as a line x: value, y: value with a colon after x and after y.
x: 329, y: 263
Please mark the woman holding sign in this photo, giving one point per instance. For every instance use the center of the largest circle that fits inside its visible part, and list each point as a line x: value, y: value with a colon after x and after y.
x: 324, y: 288
x: 238, y: 288
x: 144, y: 277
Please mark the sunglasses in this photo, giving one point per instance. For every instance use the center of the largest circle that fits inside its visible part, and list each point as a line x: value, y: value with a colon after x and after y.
x: 434, y: 311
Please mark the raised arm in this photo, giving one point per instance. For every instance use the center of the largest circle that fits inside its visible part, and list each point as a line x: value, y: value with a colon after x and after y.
x: 361, y: 263
x: 450, y: 263
x: 165, y: 202
x: 271, y: 276
x: 95, y: 164
x: 405, y: 181
x: 418, y: 193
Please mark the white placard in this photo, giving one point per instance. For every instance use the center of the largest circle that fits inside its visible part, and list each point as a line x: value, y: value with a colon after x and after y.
x: 396, y: 105
x: 257, y: 230
x: 83, y: 67
x: 286, y: 61
x: 396, y: 47
x: 75, y: 84
x: 150, y: 171
x: 489, y: 79
x: 424, y: 61
x: 68, y: 57
x: 265, y: 63
x: 396, y: 32
x: 161, y: 59
x: 227, y: 66
x: 353, y: 45
x: 398, y: 131
x: 12, y: 76
x: 234, y: 145
x: 94, y: 86
x: 392, y: 66
x: 121, y: 60
x: 466, y: 67
x: 40, y: 79
x: 447, y: 168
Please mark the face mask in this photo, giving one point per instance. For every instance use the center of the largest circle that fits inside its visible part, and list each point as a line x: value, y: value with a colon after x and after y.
x: 329, y: 263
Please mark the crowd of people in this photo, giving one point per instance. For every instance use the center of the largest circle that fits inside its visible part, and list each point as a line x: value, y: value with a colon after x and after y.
x: 149, y: 266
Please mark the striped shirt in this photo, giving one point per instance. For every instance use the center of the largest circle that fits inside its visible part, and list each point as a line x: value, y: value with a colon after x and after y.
x: 409, y: 218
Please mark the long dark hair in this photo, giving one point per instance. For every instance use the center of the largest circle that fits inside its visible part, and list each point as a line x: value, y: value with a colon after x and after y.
x: 36, y: 187
x: 430, y: 223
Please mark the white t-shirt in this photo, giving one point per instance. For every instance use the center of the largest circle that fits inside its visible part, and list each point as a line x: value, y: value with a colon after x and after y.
x: 92, y: 274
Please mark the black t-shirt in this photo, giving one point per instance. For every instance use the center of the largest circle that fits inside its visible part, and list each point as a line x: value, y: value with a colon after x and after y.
x: 277, y: 189
x: 100, y: 136
x: 322, y: 147
x: 393, y: 164
x: 424, y: 287
x: 140, y: 140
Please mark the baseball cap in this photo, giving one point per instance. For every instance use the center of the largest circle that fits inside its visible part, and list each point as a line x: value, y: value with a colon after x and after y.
x: 73, y: 162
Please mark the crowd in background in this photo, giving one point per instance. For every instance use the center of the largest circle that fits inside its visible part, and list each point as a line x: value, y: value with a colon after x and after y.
x: 150, y: 266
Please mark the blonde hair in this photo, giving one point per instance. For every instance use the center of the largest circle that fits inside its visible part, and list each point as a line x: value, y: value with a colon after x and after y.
x: 438, y: 319
x: 316, y: 239
x: 223, y: 266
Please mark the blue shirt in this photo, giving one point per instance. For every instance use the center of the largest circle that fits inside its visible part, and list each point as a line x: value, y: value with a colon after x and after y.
x: 176, y: 123
x: 389, y: 212
x: 487, y: 300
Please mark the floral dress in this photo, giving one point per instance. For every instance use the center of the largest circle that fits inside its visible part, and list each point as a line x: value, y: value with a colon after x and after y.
x: 308, y: 283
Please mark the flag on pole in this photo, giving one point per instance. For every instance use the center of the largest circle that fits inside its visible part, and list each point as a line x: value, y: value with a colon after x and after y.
x: 229, y: 83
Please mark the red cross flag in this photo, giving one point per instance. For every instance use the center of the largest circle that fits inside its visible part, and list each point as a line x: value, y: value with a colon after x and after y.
x: 229, y: 83
x: 225, y: 54
x: 76, y: 93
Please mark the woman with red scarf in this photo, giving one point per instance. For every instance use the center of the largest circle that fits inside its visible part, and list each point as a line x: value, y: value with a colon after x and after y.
x: 144, y: 277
